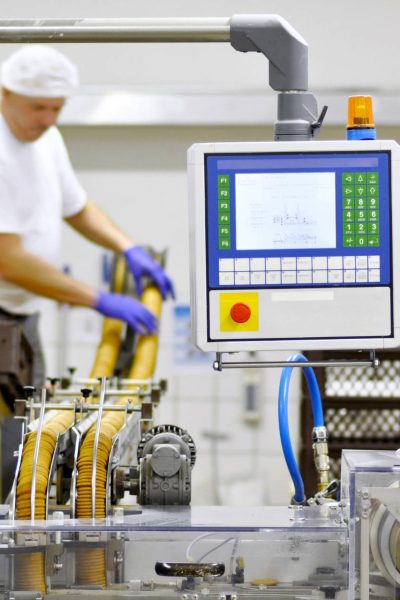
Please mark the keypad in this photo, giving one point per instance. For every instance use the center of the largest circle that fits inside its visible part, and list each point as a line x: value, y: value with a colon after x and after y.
x: 360, y: 209
x: 224, y: 213
x: 302, y: 270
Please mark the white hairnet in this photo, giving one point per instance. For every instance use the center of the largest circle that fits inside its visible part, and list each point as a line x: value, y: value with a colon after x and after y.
x: 39, y: 71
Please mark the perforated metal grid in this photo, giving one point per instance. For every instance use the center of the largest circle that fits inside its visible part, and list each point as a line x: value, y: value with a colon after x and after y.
x: 364, y: 424
x: 334, y: 472
x: 370, y: 419
x: 359, y: 382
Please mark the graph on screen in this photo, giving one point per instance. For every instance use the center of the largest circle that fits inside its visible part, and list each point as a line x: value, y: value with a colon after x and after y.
x: 285, y: 210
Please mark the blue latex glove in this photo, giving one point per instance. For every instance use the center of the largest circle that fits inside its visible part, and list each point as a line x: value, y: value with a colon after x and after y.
x: 140, y: 263
x: 127, y: 309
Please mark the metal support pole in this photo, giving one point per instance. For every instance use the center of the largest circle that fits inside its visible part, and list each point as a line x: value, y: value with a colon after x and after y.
x: 114, y: 30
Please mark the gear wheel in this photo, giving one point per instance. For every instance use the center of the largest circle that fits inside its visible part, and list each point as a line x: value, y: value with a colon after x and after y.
x: 166, y: 434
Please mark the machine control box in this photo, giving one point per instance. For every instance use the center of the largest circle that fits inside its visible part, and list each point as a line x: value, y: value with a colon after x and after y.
x: 293, y: 245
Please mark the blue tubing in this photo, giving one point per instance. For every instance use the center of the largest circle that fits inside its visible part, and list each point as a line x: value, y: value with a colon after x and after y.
x: 284, y: 432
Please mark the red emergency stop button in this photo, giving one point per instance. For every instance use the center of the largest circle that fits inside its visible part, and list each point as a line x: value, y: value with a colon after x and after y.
x: 240, y: 312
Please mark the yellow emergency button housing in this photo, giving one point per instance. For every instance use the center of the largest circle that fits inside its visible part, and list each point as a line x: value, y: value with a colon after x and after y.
x: 238, y: 311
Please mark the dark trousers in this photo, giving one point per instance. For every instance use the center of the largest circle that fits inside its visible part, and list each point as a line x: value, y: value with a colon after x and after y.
x: 30, y: 327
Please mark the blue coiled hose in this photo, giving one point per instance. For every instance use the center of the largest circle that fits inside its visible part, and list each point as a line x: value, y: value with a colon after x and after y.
x: 284, y: 432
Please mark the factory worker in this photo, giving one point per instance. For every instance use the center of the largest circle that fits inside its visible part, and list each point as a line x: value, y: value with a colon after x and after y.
x: 38, y: 188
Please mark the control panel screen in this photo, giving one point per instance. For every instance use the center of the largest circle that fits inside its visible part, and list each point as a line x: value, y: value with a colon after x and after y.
x: 275, y: 211
x: 298, y: 219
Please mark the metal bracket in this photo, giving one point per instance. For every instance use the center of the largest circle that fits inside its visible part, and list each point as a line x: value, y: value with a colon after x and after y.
x: 219, y: 364
x: 281, y: 44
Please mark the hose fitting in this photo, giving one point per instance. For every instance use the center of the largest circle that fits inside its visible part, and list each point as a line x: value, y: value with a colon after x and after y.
x: 319, y: 434
x: 321, y: 461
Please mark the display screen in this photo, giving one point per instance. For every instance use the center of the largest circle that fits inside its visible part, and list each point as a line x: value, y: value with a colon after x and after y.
x: 298, y: 219
x: 275, y: 211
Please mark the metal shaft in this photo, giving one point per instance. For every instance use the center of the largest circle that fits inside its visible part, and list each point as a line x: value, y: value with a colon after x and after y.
x: 36, y: 453
x: 88, y: 407
x: 115, y: 30
x: 102, y: 398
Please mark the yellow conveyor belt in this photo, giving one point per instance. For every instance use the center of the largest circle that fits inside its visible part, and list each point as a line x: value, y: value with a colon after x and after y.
x: 30, y: 568
x: 91, y: 567
x: 110, y: 343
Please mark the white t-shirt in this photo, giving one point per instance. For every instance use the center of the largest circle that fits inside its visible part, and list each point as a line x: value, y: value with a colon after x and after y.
x: 38, y: 187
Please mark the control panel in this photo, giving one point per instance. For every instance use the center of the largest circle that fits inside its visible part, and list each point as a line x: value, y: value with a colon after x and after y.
x: 292, y: 245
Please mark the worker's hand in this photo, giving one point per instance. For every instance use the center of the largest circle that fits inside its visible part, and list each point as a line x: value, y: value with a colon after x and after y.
x: 127, y: 309
x: 141, y: 263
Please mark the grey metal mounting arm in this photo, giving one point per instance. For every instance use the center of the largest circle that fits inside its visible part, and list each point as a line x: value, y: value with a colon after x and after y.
x: 287, y: 53
x: 271, y: 35
x: 280, y: 43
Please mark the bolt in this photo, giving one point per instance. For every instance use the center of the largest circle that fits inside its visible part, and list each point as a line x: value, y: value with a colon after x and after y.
x: 118, y: 512
x: 29, y: 390
x: 57, y: 565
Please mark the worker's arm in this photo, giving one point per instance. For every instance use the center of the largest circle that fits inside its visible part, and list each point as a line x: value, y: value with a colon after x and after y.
x: 97, y: 227
x: 36, y: 275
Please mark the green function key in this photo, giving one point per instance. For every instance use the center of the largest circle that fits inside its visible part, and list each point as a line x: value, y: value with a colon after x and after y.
x: 373, y: 202
x: 361, y: 240
x: 348, y: 203
x: 223, y: 205
x: 224, y: 231
x: 348, y: 190
x: 361, y: 203
x: 360, y: 191
x: 348, y: 216
x: 372, y: 190
x: 373, y: 216
x: 348, y: 178
x: 373, y: 178
x: 223, y: 180
x: 349, y: 241
x: 361, y: 216
x: 224, y: 243
x: 373, y: 229
x: 224, y: 218
x: 360, y: 178
x: 373, y: 240
x: 223, y: 193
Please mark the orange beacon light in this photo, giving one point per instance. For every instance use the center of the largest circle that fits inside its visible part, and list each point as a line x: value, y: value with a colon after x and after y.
x: 360, y: 120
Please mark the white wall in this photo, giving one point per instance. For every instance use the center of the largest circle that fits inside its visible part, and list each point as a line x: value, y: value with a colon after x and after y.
x: 138, y: 175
